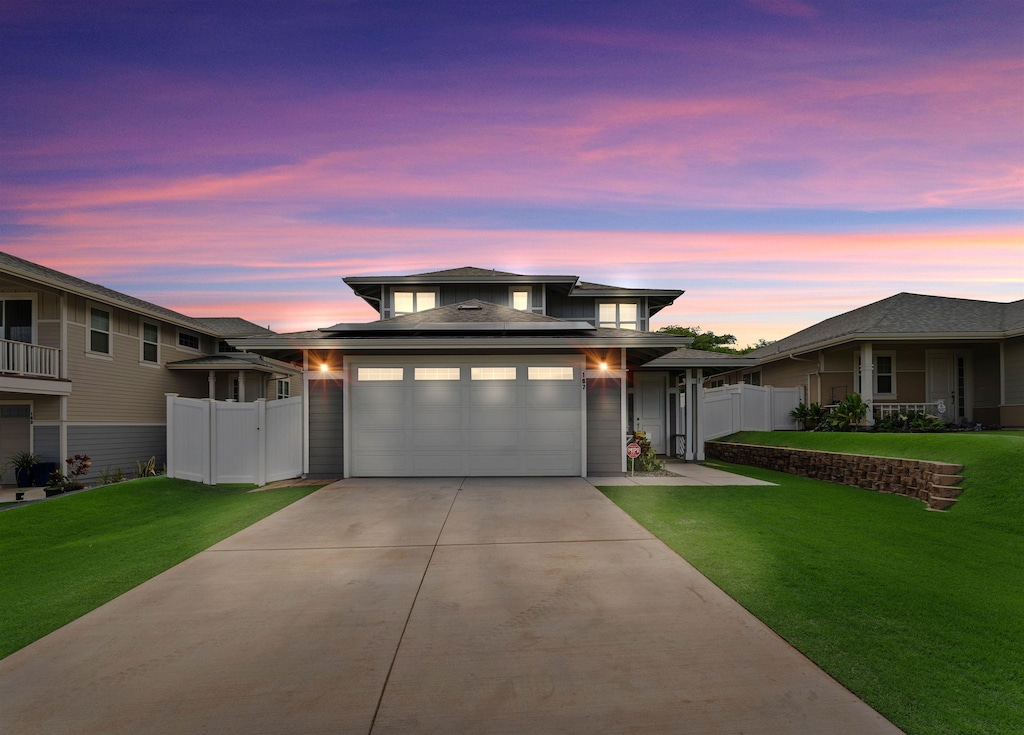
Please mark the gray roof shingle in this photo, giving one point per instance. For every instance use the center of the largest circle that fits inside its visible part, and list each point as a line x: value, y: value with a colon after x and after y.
x: 907, y: 314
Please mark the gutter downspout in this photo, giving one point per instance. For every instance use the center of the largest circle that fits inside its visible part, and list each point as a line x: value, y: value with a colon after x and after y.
x: 816, y: 373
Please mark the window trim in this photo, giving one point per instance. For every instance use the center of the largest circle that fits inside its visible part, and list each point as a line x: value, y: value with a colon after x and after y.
x: 640, y: 321
x: 416, y: 293
x: 528, y: 290
x: 286, y: 384
x: 748, y: 378
x: 184, y: 333
x: 143, y: 342
x: 875, y: 373
x: 109, y: 331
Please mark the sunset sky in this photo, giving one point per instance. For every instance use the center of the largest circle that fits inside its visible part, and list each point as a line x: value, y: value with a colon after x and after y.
x: 781, y: 160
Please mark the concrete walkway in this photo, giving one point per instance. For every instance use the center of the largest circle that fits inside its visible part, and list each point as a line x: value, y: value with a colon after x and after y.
x: 427, y: 606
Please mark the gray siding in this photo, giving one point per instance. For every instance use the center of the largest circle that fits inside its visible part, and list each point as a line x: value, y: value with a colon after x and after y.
x: 326, y: 430
x: 46, y: 444
x: 604, y: 429
x: 578, y: 309
x: 491, y: 293
x: 1013, y: 352
x: 118, y: 447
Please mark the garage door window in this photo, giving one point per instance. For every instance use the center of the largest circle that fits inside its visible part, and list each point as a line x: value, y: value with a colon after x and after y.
x: 549, y: 373
x: 366, y: 374
x: 493, y: 373
x: 438, y: 373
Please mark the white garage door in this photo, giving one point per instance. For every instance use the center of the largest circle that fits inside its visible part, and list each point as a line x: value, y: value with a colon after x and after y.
x: 459, y: 417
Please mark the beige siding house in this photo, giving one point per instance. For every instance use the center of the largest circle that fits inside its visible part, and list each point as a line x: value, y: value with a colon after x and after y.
x: 84, y: 369
x: 961, y: 359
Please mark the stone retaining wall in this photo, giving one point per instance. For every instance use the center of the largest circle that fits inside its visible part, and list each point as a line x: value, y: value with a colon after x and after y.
x: 936, y: 483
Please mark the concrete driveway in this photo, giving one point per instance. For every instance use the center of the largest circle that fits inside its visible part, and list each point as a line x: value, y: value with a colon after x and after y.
x: 427, y: 606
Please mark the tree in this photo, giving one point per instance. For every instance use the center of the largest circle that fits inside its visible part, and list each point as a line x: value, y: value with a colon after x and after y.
x: 711, y: 342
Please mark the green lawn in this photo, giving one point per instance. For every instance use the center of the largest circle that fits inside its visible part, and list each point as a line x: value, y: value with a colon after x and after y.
x: 919, y: 613
x: 64, y: 557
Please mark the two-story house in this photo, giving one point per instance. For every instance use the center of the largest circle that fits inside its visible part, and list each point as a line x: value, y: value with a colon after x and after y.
x: 473, y: 371
x: 84, y: 369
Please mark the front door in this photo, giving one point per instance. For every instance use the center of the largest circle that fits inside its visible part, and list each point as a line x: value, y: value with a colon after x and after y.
x: 946, y: 384
x: 649, y: 391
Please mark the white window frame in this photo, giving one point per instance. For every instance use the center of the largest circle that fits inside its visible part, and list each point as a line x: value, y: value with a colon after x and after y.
x: 198, y: 339
x: 380, y: 374
x: 639, y: 322
x: 876, y: 393
x: 748, y: 378
x: 109, y: 331
x: 284, y: 388
x: 437, y: 373
x: 513, y: 290
x: 143, y: 342
x: 876, y: 373
x: 493, y: 372
x: 416, y: 294
x: 550, y: 372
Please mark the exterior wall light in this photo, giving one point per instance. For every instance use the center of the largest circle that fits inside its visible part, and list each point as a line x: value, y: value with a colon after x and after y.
x: 324, y: 367
x: 603, y: 366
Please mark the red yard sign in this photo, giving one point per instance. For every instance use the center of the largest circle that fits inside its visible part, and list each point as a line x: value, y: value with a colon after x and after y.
x: 633, y: 450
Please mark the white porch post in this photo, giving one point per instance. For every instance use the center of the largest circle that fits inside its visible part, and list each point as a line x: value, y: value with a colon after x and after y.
x: 689, y: 417
x: 241, y: 386
x: 698, y: 422
x: 211, y: 378
x: 867, y: 380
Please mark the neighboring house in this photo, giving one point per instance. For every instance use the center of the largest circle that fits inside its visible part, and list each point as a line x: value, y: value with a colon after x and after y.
x: 473, y: 371
x: 960, y: 358
x: 84, y: 369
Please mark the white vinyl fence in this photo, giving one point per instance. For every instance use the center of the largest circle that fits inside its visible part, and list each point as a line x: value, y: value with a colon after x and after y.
x: 733, y: 408
x: 225, y: 442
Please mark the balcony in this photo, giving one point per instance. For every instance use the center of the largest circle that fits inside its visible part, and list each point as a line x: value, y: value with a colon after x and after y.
x: 29, y: 361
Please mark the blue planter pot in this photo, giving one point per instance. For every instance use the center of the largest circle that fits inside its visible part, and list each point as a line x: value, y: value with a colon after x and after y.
x: 41, y: 473
x: 23, y: 477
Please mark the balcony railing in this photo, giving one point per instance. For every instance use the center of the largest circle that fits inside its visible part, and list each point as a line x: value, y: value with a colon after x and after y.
x: 34, y: 361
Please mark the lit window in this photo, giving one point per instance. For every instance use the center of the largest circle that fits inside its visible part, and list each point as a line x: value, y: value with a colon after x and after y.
x: 618, y: 316
x: 150, y: 342
x: 410, y: 302
x: 367, y: 374
x: 438, y: 373
x: 99, y: 331
x: 190, y: 341
x: 549, y: 373
x: 493, y: 373
x: 519, y: 298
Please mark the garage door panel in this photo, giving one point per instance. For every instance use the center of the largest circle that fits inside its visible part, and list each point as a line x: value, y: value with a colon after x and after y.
x: 383, y: 418
x: 549, y: 440
x: 436, y: 394
x: 365, y: 439
x: 493, y: 394
x: 438, y: 464
x: 507, y: 440
x: 437, y: 418
x: 493, y: 419
x: 563, y: 420
x: 436, y: 439
x: 389, y: 394
x: 554, y: 396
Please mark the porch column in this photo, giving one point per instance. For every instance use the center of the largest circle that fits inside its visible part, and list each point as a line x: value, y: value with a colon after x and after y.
x: 867, y: 380
x: 241, y: 386
x: 211, y: 378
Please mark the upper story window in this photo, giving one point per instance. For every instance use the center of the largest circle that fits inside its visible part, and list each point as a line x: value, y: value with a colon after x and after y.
x: 150, y: 342
x: 99, y: 330
x: 520, y: 298
x: 191, y: 341
x: 17, y: 319
x: 410, y: 302
x: 623, y: 315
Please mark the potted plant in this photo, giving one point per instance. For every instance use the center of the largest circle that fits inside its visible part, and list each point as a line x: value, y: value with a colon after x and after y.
x: 22, y: 464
